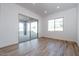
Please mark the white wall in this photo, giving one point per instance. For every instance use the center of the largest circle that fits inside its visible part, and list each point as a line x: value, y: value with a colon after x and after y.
x: 9, y: 23
x: 70, y: 25
x: 78, y: 25
x: 0, y: 11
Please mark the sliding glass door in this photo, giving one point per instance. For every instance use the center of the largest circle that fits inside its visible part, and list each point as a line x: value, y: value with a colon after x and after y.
x: 27, y: 29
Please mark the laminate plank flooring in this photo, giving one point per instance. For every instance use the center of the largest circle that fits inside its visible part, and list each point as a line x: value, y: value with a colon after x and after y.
x: 42, y: 47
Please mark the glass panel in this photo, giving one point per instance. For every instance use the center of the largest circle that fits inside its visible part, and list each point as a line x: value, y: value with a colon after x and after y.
x: 27, y: 36
x: 24, y: 27
x: 21, y: 26
x: 34, y: 30
x: 51, y: 25
x: 28, y: 27
x: 59, y: 24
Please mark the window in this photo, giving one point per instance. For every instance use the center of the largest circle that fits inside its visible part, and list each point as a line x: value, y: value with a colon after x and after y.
x: 59, y: 24
x: 55, y: 24
x: 51, y: 25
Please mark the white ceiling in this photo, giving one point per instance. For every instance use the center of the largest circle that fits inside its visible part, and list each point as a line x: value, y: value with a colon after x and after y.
x: 51, y: 8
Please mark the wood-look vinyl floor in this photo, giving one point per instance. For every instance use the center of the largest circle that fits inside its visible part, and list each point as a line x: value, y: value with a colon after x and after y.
x: 42, y: 47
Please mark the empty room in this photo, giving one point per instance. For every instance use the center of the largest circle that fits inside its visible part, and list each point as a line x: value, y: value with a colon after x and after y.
x: 39, y: 29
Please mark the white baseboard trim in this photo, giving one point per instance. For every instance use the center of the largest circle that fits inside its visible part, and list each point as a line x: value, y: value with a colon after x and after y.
x: 59, y: 38
x: 2, y: 46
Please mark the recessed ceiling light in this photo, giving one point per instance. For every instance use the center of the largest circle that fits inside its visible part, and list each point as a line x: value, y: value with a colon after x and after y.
x: 58, y: 6
x: 45, y: 12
